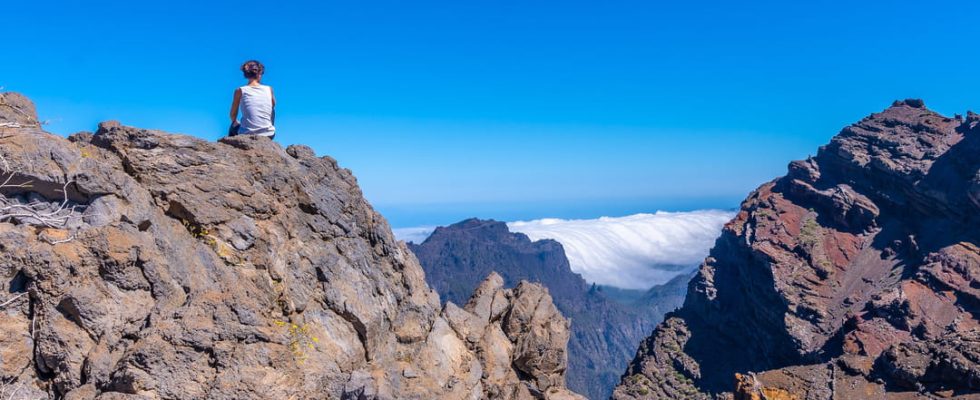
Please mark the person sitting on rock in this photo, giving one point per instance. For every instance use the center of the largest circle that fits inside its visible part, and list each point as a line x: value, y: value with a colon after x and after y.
x: 258, y: 104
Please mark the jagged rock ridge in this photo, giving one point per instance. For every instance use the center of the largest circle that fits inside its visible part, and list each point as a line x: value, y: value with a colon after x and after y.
x: 186, y: 269
x: 854, y: 276
x: 605, y: 333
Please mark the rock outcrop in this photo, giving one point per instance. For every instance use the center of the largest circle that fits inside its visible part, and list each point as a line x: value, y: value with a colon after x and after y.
x: 852, y: 277
x: 605, y: 333
x: 17, y: 111
x: 163, y: 266
x: 517, y: 335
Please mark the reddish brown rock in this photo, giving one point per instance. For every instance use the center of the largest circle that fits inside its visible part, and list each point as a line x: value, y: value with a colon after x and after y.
x: 854, y: 276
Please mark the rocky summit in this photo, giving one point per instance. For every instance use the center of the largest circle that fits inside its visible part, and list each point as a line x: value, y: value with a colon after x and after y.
x: 855, y: 276
x: 604, y: 333
x: 138, y: 264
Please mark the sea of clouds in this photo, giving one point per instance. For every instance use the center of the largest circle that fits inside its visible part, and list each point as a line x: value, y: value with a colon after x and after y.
x: 631, y: 252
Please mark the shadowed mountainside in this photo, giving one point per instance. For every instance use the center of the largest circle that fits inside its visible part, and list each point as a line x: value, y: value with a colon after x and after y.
x: 854, y: 276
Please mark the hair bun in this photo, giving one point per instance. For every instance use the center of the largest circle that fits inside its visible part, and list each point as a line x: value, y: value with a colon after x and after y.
x: 252, y: 69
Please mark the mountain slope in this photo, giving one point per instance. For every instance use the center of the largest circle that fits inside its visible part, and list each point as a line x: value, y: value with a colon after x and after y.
x: 604, y: 332
x: 140, y: 264
x: 853, y: 276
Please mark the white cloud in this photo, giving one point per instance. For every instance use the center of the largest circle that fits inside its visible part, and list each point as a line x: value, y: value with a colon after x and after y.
x: 632, y: 252
x: 416, y: 234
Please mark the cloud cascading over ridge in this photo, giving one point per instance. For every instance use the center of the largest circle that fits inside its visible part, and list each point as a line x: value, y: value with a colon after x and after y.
x: 632, y: 252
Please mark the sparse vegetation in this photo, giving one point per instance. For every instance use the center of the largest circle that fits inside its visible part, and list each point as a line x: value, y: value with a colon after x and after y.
x: 197, y: 231
x: 810, y: 242
x: 301, y: 340
x: 809, y: 233
x: 221, y: 249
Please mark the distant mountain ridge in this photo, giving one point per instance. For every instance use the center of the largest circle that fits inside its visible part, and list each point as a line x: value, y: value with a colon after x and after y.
x: 605, y: 333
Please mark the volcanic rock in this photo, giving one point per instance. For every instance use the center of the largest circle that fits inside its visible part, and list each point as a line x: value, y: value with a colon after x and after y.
x: 17, y: 111
x: 186, y: 269
x: 604, y: 333
x: 853, y: 276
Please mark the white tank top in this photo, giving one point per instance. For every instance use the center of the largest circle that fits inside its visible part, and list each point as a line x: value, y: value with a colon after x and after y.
x: 256, y: 106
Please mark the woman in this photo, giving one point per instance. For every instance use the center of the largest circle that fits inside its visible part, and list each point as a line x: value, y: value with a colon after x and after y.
x: 258, y: 104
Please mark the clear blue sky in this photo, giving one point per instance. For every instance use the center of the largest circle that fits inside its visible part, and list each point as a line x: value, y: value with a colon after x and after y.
x: 507, y: 109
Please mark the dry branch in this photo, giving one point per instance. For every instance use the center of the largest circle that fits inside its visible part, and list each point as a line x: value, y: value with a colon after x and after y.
x: 13, y: 299
x: 35, y: 212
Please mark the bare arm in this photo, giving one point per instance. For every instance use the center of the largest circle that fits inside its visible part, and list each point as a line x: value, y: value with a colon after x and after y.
x: 273, y: 105
x: 234, y: 104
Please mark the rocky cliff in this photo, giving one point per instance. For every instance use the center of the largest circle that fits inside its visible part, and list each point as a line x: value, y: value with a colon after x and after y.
x: 605, y: 333
x: 855, y: 276
x: 139, y: 264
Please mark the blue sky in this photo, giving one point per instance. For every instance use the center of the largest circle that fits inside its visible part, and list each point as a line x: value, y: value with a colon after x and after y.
x: 507, y: 109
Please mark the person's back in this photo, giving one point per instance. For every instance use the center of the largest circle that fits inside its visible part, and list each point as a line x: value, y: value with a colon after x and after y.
x: 256, y: 103
x: 256, y: 107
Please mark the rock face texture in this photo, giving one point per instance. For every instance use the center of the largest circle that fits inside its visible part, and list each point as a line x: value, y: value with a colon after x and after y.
x: 517, y: 335
x: 17, y: 111
x: 605, y: 333
x: 168, y: 267
x: 855, y: 276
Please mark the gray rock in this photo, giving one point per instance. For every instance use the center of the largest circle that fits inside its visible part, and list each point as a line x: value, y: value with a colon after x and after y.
x: 229, y: 270
x: 17, y: 111
x: 604, y: 332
